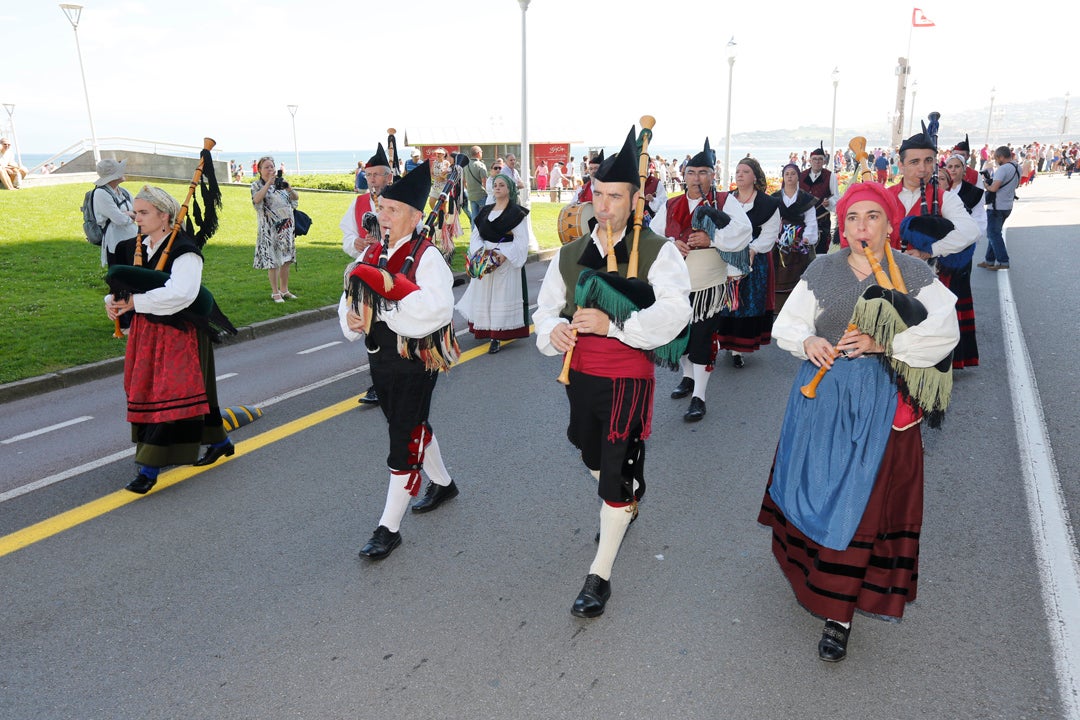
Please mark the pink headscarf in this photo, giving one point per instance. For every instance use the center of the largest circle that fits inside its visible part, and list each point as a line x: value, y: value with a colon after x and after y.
x: 876, y: 193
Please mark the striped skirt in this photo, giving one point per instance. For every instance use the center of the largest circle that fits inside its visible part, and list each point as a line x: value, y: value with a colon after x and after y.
x: 966, y: 353
x: 878, y: 573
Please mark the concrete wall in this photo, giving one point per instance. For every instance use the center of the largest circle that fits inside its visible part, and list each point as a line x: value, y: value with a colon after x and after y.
x: 144, y: 164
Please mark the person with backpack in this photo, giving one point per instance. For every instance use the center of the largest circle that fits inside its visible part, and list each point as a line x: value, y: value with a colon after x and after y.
x: 112, y: 211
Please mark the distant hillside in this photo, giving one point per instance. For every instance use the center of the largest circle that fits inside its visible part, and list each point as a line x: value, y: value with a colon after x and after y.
x: 1016, y: 123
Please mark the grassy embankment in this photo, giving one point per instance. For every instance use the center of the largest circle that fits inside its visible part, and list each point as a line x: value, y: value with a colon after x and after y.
x: 51, y: 312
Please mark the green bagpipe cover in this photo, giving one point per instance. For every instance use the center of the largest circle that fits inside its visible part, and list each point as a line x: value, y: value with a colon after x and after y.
x: 618, y: 297
x: 203, y: 310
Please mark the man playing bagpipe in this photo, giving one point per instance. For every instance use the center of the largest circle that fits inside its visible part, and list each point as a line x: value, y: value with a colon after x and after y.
x: 400, y: 296
x: 354, y: 238
x: 821, y: 183
x: 610, y: 376
x: 710, y: 229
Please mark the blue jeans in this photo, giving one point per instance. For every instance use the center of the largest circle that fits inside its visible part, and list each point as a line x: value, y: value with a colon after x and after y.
x: 474, y: 207
x: 995, y: 246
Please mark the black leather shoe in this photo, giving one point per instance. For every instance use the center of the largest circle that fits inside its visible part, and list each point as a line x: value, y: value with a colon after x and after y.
x: 737, y: 360
x: 380, y: 545
x: 592, y: 598
x: 213, y: 454
x: 832, y: 647
x: 684, y: 388
x: 434, y: 496
x: 696, y: 410
x: 141, y: 484
x: 494, y: 347
x: 370, y: 397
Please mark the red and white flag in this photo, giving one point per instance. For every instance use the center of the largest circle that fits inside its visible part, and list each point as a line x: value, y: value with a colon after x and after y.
x: 919, y: 19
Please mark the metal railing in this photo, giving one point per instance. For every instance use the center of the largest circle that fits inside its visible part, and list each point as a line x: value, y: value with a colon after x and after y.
x: 121, y: 143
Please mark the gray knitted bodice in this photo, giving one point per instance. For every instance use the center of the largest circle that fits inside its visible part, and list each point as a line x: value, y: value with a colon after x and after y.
x: 836, y: 288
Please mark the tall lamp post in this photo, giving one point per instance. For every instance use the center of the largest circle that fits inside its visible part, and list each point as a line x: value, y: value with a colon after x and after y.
x: 296, y: 148
x: 727, y: 137
x: 911, y: 116
x: 73, y: 12
x: 1064, y: 121
x: 832, y: 140
x: 525, y: 168
x: 990, y: 116
x: 10, y: 107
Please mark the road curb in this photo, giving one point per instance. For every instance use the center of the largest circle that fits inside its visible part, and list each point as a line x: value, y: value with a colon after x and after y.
x: 70, y: 377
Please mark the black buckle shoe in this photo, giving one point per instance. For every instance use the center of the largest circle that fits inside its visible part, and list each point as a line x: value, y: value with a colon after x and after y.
x: 696, y: 410
x: 592, y: 598
x: 684, y: 388
x: 494, y: 347
x: 370, y: 397
x: 434, y: 496
x: 141, y: 484
x: 380, y: 545
x: 832, y: 647
x: 213, y: 454
x: 737, y: 360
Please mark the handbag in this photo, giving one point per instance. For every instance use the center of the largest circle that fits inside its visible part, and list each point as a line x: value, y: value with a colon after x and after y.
x: 301, y: 222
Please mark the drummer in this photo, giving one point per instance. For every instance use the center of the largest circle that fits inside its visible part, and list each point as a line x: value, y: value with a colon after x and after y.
x: 584, y: 193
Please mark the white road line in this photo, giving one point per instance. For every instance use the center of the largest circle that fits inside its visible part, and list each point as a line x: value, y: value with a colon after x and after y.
x: 94, y: 464
x: 317, y: 348
x: 1055, y: 542
x: 42, y: 431
x: 226, y: 376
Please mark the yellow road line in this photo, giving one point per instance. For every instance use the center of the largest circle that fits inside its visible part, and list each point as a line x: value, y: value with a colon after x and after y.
x: 96, y: 508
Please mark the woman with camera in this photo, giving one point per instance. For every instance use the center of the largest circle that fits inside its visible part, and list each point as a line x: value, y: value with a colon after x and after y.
x: 275, y: 246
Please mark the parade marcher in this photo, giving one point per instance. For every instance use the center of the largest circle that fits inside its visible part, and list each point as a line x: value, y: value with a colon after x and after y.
x: 707, y: 247
x: 493, y: 304
x: 748, y: 325
x: 354, y: 238
x: 954, y: 272
x: 169, y: 376
x: 404, y: 310
x: 611, y: 377
x: 794, y: 249
x: 845, y: 496
x: 584, y: 193
x: 821, y: 183
x: 963, y: 149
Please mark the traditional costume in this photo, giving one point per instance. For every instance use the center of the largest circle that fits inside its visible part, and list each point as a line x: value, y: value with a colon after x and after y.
x: 584, y: 193
x: 823, y: 187
x: 714, y: 272
x: 748, y: 324
x: 795, y: 246
x: 407, y: 305
x: 611, y: 378
x: 352, y: 223
x: 845, y: 495
x: 496, y: 302
x: 957, y: 277
x: 963, y: 148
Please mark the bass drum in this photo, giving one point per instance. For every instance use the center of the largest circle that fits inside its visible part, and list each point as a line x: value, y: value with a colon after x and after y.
x: 574, y: 221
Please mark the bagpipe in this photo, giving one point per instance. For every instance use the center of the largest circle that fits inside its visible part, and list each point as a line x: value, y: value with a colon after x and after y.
x: 126, y: 279
x: 863, y: 173
x: 923, y: 230
x: 617, y: 296
x: 370, y: 287
x: 392, y: 155
x: 882, y: 312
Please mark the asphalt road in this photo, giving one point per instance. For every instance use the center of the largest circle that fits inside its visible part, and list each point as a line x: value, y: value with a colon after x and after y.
x: 235, y: 591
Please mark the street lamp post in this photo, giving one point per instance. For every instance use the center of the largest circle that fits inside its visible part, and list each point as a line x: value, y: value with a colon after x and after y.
x: 10, y: 107
x: 727, y: 138
x: 990, y: 116
x: 525, y: 166
x: 911, y: 117
x: 73, y: 12
x: 296, y: 148
x: 832, y: 140
x: 1064, y: 120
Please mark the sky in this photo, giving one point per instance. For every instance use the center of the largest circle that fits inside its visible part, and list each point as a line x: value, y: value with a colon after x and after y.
x: 178, y: 71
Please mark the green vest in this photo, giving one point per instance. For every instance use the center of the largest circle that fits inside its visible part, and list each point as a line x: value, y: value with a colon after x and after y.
x: 649, y: 244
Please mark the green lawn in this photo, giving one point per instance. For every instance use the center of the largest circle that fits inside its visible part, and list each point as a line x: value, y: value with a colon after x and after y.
x: 51, y: 311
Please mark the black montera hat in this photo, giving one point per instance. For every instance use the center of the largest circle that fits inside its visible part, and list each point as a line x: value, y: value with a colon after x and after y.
x: 597, y: 159
x: 706, y: 158
x: 413, y: 188
x: 379, y: 159
x: 819, y: 150
x: 964, y: 145
x: 623, y: 166
x: 918, y: 141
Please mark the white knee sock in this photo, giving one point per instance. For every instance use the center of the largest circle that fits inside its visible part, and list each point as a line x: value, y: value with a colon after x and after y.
x: 701, y: 380
x: 595, y: 474
x: 397, y: 502
x: 433, y: 464
x: 613, y: 524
